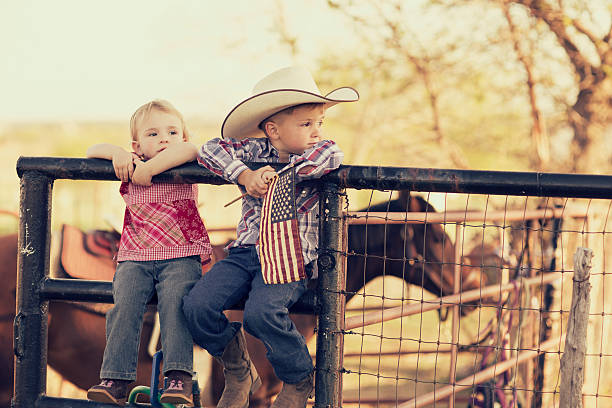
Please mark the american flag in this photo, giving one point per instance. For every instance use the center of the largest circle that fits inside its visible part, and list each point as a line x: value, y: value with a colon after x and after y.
x: 280, y: 250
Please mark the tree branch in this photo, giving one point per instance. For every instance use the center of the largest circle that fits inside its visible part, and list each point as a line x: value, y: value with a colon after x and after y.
x: 539, y: 136
x: 597, y: 43
x: 421, y: 66
x: 556, y: 22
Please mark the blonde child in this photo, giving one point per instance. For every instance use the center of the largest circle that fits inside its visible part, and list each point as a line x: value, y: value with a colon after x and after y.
x: 280, y: 123
x: 163, y: 245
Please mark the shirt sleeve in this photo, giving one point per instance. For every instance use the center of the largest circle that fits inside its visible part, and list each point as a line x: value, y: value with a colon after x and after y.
x: 225, y: 158
x: 317, y: 161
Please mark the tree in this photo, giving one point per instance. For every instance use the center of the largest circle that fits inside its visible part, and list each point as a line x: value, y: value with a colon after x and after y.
x: 586, y: 39
x: 546, y: 65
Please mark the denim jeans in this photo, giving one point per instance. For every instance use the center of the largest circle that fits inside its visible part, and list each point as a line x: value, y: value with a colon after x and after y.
x: 266, y: 314
x: 134, y: 284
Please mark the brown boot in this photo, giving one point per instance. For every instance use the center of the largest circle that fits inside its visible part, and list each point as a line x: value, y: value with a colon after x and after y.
x: 241, y: 378
x: 295, y: 395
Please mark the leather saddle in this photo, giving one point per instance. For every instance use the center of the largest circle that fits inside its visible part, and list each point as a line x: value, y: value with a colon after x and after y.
x: 88, y: 255
x: 92, y: 254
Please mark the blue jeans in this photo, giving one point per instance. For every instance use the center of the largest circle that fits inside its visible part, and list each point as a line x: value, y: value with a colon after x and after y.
x: 134, y: 284
x: 266, y: 314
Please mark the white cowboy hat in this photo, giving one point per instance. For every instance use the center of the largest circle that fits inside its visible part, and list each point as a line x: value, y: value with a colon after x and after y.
x: 281, y: 89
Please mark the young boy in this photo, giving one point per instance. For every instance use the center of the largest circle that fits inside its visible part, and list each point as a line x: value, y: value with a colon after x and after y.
x: 288, y: 109
x: 163, y: 245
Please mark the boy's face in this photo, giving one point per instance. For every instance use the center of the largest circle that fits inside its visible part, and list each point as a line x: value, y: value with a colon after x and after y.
x: 298, y: 131
x: 156, y: 131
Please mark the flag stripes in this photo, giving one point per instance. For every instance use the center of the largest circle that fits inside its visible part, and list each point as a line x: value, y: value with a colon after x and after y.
x: 280, y: 250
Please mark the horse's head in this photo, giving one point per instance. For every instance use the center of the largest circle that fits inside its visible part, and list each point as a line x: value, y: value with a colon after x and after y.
x: 433, y: 245
x: 422, y: 254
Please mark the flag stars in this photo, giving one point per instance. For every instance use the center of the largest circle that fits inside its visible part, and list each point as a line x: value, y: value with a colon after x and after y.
x: 283, y: 205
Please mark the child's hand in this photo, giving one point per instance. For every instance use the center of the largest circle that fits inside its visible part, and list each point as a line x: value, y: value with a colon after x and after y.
x: 254, y: 181
x: 268, y: 175
x: 123, y: 164
x: 142, y: 174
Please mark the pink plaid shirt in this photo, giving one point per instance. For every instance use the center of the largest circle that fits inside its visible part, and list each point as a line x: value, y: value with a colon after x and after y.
x: 162, y: 222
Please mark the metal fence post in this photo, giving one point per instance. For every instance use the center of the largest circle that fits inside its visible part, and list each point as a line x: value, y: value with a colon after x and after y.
x: 328, y: 392
x: 30, y: 327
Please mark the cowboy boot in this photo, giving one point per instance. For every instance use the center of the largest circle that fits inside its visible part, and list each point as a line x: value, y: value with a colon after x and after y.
x: 295, y: 395
x: 241, y: 378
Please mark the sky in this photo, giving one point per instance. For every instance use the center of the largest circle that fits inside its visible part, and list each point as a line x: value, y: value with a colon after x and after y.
x: 79, y: 60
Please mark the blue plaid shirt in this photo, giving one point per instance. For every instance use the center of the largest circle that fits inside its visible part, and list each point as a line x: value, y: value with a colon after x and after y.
x: 226, y: 158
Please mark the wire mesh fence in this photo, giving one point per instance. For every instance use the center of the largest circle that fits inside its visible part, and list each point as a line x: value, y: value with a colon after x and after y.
x: 467, y: 304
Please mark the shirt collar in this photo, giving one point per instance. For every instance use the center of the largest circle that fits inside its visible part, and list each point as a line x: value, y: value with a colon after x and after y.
x: 270, y: 150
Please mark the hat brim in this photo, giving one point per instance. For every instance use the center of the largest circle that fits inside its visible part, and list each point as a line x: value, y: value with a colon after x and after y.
x: 244, y: 119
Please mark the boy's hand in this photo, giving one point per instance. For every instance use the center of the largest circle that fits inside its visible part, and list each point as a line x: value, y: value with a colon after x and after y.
x: 254, y: 181
x: 142, y: 174
x: 123, y: 164
x: 268, y: 175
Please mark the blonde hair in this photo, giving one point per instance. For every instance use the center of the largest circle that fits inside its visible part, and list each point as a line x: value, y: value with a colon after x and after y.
x: 161, y: 105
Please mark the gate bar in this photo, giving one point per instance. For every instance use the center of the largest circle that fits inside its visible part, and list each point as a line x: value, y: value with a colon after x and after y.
x: 102, y: 292
x: 452, y: 217
x: 473, y: 181
x: 363, y: 177
x: 330, y: 338
x: 30, y: 326
x: 367, y: 319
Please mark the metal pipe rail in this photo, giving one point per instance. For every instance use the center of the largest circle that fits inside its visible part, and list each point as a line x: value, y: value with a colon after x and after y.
x: 434, y: 304
x: 102, y: 292
x: 473, y: 181
x: 360, y: 177
x: 453, y: 217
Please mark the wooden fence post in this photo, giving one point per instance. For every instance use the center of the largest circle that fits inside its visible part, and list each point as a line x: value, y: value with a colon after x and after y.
x: 572, y: 361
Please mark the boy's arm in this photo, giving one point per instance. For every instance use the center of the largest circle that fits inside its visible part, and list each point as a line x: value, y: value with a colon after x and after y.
x: 174, y: 155
x: 226, y: 157
x: 317, y: 161
x: 122, y: 159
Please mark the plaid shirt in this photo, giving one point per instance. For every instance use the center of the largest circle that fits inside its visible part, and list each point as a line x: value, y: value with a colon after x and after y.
x: 226, y: 158
x: 162, y: 222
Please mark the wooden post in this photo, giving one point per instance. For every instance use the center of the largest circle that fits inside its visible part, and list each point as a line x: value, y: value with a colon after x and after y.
x: 456, y: 313
x: 572, y: 361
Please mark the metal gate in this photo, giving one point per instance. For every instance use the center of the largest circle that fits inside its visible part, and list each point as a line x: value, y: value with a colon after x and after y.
x: 36, y: 288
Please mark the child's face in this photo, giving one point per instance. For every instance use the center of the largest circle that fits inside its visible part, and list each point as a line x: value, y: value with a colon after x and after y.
x: 298, y: 131
x: 156, y: 131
